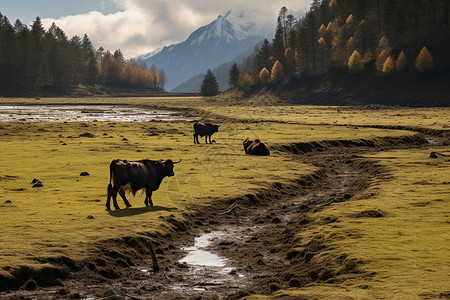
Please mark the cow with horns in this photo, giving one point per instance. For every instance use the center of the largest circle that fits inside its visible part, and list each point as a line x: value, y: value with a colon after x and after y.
x: 135, y: 175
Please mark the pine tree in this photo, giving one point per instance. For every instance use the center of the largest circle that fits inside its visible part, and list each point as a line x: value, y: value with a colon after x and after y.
x: 424, y: 61
x: 264, y: 76
x: 233, y: 80
x: 209, y: 86
x: 355, y: 63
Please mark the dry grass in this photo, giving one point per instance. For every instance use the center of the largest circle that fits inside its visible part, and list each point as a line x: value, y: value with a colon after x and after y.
x: 407, y: 249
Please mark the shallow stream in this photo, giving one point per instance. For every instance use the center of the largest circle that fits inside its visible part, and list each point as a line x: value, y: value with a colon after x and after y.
x: 86, y: 113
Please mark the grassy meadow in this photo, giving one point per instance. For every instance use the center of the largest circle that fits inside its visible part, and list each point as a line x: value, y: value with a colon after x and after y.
x: 406, y: 248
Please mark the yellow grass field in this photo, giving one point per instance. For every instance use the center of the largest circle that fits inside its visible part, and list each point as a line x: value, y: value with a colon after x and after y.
x: 407, y: 249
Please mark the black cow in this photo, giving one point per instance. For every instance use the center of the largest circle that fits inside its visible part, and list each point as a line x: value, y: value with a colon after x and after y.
x: 204, y: 130
x: 255, y: 147
x: 135, y: 175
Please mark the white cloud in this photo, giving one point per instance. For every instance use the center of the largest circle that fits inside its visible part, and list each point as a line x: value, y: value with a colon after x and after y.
x: 144, y: 25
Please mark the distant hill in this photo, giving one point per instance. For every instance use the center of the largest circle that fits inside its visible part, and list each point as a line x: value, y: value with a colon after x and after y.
x: 225, y: 40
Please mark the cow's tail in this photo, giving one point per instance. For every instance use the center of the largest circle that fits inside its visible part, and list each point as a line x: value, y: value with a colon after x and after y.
x: 111, y: 172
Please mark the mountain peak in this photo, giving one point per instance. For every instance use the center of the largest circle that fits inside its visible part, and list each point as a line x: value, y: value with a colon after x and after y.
x: 223, y: 40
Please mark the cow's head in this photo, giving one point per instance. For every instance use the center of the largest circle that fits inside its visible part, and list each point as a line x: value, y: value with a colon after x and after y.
x: 215, y: 128
x: 247, y: 142
x: 168, y: 166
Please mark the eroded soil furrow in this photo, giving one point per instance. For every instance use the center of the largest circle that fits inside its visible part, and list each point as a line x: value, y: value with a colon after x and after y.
x: 254, y: 241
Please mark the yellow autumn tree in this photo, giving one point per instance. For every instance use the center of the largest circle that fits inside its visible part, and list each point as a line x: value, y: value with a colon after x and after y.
x: 349, y: 20
x: 333, y: 3
x: 322, y: 30
x: 264, y: 76
x: 388, y: 66
x: 277, y: 73
x: 424, y: 61
x: 383, y: 52
x: 355, y: 63
x: 381, y: 59
x: 402, y: 63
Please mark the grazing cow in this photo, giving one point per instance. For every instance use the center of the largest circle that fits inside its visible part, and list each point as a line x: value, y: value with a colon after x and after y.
x: 255, y: 147
x: 135, y: 175
x: 204, y: 130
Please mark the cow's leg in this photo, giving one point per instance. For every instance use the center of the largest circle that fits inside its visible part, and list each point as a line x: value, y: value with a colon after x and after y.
x: 114, y: 191
x: 206, y: 139
x: 148, y: 198
x: 122, y: 194
x: 195, y: 136
x: 108, y: 198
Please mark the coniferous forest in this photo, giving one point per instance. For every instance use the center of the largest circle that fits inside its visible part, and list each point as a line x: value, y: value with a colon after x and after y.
x: 370, y: 43
x: 36, y: 61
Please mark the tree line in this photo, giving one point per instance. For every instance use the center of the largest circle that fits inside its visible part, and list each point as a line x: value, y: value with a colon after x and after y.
x: 33, y: 59
x: 378, y: 37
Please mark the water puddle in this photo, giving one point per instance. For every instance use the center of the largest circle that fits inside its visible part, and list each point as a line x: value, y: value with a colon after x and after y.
x: 86, y: 113
x: 198, y: 255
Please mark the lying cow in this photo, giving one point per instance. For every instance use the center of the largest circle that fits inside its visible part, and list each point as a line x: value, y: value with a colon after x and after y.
x: 204, y: 130
x: 135, y: 175
x: 255, y: 147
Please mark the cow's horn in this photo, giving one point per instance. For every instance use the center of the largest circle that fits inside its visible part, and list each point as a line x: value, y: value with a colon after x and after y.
x: 161, y: 160
x: 175, y: 162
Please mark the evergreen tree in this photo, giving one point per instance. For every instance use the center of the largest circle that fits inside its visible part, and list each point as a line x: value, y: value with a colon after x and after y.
x: 209, y: 86
x: 234, y: 76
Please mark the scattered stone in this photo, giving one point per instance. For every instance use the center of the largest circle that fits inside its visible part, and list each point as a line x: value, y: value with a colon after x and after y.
x: 8, y: 202
x: 87, y: 134
x: 90, y: 217
x: 84, y: 174
x: 37, y: 98
x: 64, y: 144
x: 37, y: 183
x: 104, y: 134
x: 124, y: 139
x: 31, y: 285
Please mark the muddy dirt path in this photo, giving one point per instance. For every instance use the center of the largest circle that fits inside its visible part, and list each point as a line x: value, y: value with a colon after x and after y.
x: 236, y: 248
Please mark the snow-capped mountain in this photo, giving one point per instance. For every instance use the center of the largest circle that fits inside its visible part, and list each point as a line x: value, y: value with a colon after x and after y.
x: 227, y: 38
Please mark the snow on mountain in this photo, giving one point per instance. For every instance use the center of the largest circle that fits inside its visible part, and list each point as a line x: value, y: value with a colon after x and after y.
x: 223, y: 40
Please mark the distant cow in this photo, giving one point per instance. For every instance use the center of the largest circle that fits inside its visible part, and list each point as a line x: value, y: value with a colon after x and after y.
x: 255, y: 147
x: 135, y: 175
x: 204, y: 130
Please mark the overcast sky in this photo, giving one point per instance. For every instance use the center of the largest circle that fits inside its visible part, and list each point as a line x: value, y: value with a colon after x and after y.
x: 138, y: 26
